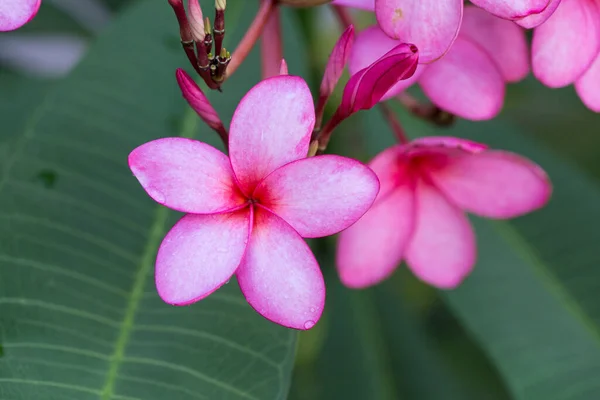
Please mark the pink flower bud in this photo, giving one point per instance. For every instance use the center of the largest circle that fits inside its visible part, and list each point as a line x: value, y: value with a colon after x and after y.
x: 196, y: 20
x: 337, y: 62
x: 198, y: 101
x: 283, y: 68
x: 367, y: 86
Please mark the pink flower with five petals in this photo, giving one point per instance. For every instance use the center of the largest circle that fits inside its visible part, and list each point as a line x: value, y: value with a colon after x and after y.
x: 247, y: 214
x: 419, y: 215
x: 433, y: 25
x: 470, y: 80
x: 16, y: 13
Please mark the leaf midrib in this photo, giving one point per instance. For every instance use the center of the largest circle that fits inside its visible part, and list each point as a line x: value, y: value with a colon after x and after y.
x: 522, y: 246
x: 157, y: 231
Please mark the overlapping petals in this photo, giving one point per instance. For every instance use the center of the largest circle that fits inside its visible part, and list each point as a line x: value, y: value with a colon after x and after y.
x: 469, y: 81
x: 426, y: 186
x: 247, y: 213
x: 16, y: 13
x: 432, y: 25
x: 566, y: 45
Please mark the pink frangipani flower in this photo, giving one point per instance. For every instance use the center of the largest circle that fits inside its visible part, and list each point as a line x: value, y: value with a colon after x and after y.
x: 470, y: 80
x: 566, y: 49
x: 247, y: 214
x: 16, y: 13
x: 434, y: 25
x: 419, y: 215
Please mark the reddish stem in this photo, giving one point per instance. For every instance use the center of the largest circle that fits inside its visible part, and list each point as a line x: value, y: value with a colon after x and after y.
x: 251, y: 36
x: 343, y: 16
x: 394, y: 123
x: 271, y: 47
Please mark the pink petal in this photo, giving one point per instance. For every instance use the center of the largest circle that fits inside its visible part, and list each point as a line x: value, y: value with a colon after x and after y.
x: 534, y: 20
x: 442, y: 249
x: 437, y: 143
x: 198, y: 101
x: 565, y: 46
x: 279, y: 274
x: 186, y: 175
x: 337, y: 62
x: 504, y: 41
x: 271, y: 127
x: 319, y: 196
x: 432, y: 25
x: 368, y: 5
x: 494, y: 184
x: 466, y: 82
x: 16, y: 13
x: 371, y: 249
x: 370, y: 45
x: 588, y: 86
x: 512, y: 9
x: 369, y: 85
x: 200, y: 254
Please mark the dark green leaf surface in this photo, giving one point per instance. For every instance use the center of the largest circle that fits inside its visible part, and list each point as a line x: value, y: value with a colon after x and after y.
x: 375, y: 345
x: 79, y: 315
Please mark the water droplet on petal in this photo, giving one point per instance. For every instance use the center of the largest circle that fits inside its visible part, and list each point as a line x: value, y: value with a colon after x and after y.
x: 312, y: 309
x: 156, y: 194
x: 222, y: 249
x: 309, y: 324
x: 227, y: 281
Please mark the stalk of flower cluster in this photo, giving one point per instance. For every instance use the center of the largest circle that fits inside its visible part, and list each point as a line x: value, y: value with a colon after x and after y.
x: 394, y: 123
x: 185, y: 32
x: 343, y: 16
x: 252, y: 35
x: 219, y: 29
x: 428, y: 112
x: 271, y: 49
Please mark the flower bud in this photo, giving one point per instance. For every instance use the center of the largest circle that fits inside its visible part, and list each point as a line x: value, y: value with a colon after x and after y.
x: 199, y: 102
x: 337, y: 62
x: 369, y: 85
x: 196, y: 20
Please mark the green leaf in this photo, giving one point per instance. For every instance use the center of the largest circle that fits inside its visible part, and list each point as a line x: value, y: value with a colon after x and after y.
x: 376, y: 344
x: 79, y: 315
x: 532, y: 300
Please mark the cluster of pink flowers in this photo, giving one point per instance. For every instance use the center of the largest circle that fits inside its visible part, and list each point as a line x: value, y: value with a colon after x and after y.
x: 246, y: 213
x: 471, y: 52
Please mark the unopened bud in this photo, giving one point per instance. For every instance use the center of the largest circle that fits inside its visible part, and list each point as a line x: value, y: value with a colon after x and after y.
x: 304, y: 3
x: 283, y: 68
x: 196, y: 20
x: 207, y: 27
x: 199, y: 102
x: 220, y: 5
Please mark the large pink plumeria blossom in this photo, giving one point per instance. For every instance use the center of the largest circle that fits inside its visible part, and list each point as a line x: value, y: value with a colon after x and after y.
x: 566, y: 48
x: 16, y: 13
x: 419, y: 215
x: 434, y: 25
x: 247, y: 213
x: 469, y: 81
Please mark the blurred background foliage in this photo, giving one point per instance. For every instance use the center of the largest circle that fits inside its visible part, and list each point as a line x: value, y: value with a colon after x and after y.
x: 524, y: 326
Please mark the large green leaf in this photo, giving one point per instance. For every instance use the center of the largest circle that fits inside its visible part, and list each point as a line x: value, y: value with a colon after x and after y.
x: 79, y: 316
